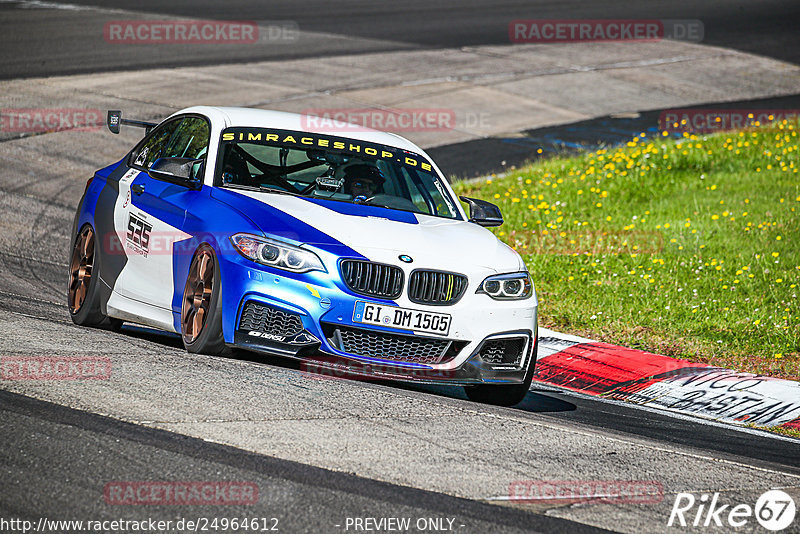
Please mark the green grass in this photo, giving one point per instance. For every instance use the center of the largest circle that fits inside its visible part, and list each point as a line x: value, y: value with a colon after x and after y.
x: 786, y: 431
x: 687, y: 247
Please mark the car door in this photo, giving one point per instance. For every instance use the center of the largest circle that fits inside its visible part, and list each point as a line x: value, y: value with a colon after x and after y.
x: 151, y: 221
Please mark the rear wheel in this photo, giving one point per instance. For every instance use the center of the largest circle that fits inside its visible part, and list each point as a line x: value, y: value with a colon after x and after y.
x: 201, y: 316
x: 83, y: 294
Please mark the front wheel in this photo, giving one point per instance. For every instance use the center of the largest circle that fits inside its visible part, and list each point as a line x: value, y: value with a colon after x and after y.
x: 201, y: 315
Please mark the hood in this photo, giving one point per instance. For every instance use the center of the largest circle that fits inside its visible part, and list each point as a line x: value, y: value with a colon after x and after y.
x: 379, y: 234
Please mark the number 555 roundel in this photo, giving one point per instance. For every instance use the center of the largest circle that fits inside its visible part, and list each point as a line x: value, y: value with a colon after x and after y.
x: 338, y: 245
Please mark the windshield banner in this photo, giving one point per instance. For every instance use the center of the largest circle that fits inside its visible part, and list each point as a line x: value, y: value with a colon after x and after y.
x: 327, y: 143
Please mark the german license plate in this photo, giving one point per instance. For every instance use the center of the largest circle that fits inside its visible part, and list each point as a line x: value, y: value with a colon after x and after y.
x: 405, y: 318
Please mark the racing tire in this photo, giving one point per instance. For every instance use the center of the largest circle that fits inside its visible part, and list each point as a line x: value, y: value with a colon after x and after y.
x: 201, y: 315
x: 503, y: 394
x: 83, y: 293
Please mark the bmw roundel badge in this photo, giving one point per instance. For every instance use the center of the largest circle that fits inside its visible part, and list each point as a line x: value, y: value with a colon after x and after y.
x: 405, y: 258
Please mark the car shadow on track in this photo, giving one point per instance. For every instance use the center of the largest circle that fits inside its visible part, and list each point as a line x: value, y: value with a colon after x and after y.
x: 536, y: 401
x: 151, y: 334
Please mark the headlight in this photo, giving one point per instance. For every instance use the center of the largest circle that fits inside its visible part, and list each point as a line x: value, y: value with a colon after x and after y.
x: 276, y: 253
x: 514, y: 286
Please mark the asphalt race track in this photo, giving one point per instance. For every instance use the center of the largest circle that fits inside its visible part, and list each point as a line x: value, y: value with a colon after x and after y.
x: 321, y: 451
x: 70, y: 441
x: 39, y: 42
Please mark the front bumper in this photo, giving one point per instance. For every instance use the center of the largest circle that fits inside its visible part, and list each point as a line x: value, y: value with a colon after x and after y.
x: 473, y: 371
x: 324, y: 311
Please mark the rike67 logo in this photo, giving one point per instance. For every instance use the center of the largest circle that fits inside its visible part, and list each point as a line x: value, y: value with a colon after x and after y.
x: 774, y: 510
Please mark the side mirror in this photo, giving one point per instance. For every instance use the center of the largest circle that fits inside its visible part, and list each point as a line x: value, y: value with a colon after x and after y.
x: 483, y: 213
x: 178, y: 171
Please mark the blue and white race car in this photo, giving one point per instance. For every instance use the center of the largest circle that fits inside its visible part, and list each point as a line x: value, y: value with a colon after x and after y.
x: 245, y: 228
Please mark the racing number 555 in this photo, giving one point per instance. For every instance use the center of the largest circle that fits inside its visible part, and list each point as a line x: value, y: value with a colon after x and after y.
x: 138, y: 232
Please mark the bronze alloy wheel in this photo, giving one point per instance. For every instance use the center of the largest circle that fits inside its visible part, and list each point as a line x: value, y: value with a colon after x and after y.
x: 197, y: 295
x: 81, y: 269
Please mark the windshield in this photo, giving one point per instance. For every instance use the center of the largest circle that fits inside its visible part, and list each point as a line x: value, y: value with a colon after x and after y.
x: 334, y: 168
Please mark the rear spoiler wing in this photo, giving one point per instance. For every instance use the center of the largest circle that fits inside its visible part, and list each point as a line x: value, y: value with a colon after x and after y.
x: 115, y: 120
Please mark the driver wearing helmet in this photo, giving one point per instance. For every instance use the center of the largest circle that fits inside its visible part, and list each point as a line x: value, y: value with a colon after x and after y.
x: 362, y: 180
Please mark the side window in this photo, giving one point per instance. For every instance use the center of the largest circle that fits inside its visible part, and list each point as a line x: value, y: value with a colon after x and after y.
x: 180, y: 138
x: 190, y: 140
